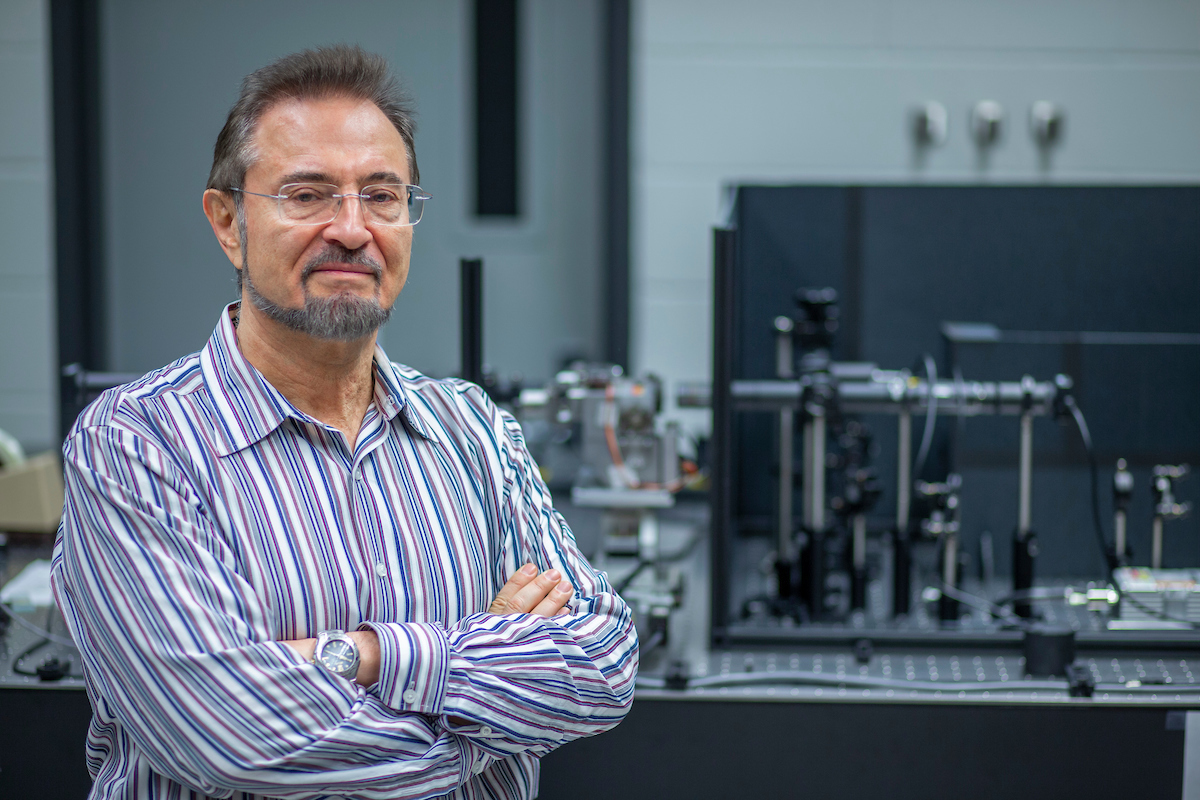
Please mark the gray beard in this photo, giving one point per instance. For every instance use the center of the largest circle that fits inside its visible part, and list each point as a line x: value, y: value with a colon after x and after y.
x: 343, y: 317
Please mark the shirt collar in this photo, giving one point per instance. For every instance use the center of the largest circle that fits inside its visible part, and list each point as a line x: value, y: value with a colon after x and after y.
x: 392, y: 398
x: 249, y: 408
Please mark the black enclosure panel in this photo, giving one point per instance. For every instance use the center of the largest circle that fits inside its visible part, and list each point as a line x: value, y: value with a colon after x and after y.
x: 497, y: 108
x: 42, y: 742
x: 702, y: 750
x: 1035, y: 258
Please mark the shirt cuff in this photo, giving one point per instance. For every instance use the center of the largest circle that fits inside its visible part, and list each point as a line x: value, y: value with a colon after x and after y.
x: 414, y: 662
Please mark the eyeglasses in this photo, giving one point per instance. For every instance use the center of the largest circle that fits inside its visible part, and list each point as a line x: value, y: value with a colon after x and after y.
x: 319, y: 203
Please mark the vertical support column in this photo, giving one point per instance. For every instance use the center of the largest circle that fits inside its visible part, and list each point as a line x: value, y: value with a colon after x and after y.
x: 616, y: 181
x: 1122, y: 495
x: 79, y: 212
x: 901, y: 563
x: 812, y: 561
x: 1025, y: 546
x: 817, y: 467
x: 787, y: 432
x: 947, y: 605
x: 1156, y: 542
x: 1025, y: 488
x: 1120, y: 534
x: 858, y: 562
x: 785, y: 548
x: 721, y: 493
x: 471, y: 319
x: 806, y: 489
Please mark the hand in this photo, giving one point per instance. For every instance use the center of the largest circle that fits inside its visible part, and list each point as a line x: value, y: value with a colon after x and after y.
x: 529, y: 593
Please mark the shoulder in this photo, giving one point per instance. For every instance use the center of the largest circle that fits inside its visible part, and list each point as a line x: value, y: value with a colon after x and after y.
x: 135, y: 405
x: 457, y: 410
x: 445, y: 400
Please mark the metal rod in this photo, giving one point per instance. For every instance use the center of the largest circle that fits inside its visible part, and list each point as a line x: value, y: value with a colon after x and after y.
x: 807, y: 477
x: 885, y: 393
x: 859, y: 544
x: 786, y: 480
x: 948, y: 606
x: 858, y: 557
x: 950, y: 560
x: 903, y: 470
x: 1156, y: 543
x: 817, y: 467
x: 1025, y: 479
x: 1119, y: 522
x: 785, y: 368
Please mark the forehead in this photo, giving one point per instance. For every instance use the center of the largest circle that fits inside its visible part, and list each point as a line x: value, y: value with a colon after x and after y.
x: 344, y: 139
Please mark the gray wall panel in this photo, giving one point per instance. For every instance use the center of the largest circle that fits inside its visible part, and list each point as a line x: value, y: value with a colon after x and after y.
x: 28, y: 390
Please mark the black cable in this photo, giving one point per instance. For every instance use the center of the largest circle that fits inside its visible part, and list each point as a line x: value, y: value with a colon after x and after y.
x: 53, y: 668
x: 1108, y: 555
x: 656, y: 639
x: 683, y: 552
x: 33, y: 648
x: 930, y: 415
x: 623, y: 584
x: 983, y: 604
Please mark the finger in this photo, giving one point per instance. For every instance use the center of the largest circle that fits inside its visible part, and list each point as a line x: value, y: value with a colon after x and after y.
x: 503, y: 603
x: 528, y: 597
x: 555, y: 602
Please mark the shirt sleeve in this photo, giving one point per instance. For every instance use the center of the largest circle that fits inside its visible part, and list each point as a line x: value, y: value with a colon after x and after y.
x: 520, y: 682
x: 179, y: 658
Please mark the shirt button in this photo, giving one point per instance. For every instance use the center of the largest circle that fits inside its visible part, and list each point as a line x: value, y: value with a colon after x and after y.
x: 410, y: 696
x: 485, y: 731
x: 381, y: 569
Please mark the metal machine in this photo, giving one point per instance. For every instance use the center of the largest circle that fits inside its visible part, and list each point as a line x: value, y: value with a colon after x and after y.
x: 825, y: 399
x: 602, y: 429
x: 833, y: 572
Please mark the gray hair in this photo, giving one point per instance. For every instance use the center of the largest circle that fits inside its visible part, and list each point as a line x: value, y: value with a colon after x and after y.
x: 337, y: 71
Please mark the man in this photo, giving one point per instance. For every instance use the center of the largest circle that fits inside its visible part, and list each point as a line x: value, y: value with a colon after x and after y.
x: 284, y: 558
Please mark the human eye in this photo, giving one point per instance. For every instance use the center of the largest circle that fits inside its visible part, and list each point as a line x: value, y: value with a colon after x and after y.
x: 305, y: 194
x: 381, y: 195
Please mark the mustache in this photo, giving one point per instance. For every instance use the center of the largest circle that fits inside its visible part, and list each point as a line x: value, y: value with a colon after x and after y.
x: 336, y: 254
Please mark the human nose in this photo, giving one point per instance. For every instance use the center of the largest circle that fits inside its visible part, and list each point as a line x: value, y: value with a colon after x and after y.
x: 349, y: 225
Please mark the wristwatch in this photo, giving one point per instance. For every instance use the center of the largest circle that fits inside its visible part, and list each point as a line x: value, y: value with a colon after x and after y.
x: 337, y: 653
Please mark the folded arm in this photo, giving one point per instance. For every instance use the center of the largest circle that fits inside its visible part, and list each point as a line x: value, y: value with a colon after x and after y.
x: 525, y: 682
x: 179, y: 654
x: 526, y: 592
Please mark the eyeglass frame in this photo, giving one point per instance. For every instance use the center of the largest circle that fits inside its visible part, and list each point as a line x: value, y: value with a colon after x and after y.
x: 279, y: 198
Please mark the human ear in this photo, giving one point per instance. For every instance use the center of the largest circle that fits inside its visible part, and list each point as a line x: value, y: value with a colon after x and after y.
x: 222, y: 215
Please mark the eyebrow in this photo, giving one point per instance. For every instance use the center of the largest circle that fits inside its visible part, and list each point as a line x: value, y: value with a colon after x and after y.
x: 323, y: 177
x: 305, y: 177
x: 383, y: 177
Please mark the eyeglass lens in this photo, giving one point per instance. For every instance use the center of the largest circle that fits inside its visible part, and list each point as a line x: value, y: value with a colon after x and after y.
x: 317, y: 203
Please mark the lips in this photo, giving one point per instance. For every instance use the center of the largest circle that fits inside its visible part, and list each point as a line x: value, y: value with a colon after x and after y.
x: 340, y: 261
x: 354, y: 268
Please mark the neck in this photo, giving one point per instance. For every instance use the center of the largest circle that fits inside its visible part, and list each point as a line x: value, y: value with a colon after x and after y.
x: 332, y: 381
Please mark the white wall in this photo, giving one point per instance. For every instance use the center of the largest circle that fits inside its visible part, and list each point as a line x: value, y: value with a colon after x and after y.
x: 810, y: 91
x: 28, y: 353
x: 172, y: 71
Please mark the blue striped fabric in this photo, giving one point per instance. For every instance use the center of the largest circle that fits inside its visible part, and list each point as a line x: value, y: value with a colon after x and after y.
x: 207, y: 520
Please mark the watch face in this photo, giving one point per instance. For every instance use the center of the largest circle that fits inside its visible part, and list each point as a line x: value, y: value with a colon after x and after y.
x: 338, y: 656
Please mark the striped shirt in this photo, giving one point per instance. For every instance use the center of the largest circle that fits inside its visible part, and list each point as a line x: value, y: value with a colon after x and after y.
x: 207, y: 520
